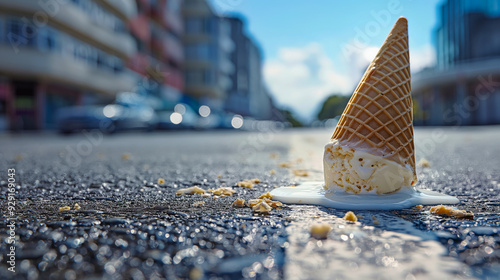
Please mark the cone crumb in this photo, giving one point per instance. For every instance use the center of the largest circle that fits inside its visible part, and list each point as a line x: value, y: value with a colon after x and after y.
x: 285, y: 164
x: 262, y: 207
x: 359, y: 216
x: 190, y: 191
x: 248, y: 183
x: 272, y: 172
x: 77, y: 206
x: 126, y: 156
x: 161, y: 181
x: 198, y: 203
x: 446, y: 210
x: 375, y: 221
x: 424, y: 163
x: 350, y: 217
x: 223, y: 191
x: 64, y: 208
x: 320, y: 230
x: 195, y: 274
x: 274, y: 155
x: 419, y: 206
x: 239, y: 203
x: 266, y: 195
x: 219, y: 176
x: 274, y: 203
x: 253, y: 202
x: 300, y: 172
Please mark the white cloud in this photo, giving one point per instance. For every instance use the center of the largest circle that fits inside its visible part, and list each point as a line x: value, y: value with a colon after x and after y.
x: 422, y: 58
x: 303, y: 77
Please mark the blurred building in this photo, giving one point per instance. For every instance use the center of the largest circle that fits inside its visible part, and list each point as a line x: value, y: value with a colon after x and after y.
x: 158, y: 63
x: 464, y: 88
x: 207, y: 45
x: 223, y: 66
x: 77, y: 52
x: 246, y: 95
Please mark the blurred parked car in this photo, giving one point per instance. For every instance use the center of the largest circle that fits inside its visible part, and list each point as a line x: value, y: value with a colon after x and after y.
x: 181, y: 116
x: 109, y: 118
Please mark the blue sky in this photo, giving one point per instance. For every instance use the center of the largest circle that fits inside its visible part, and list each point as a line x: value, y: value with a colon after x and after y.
x: 317, y: 47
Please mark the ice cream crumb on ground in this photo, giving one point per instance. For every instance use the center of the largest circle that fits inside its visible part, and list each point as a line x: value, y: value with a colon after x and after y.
x: 285, y: 164
x: 320, y: 230
x: 424, y: 163
x: 446, y: 210
x: 77, y: 206
x: 266, y: 195
x: 350, y: 217
x: 219, y: 176
x: 239, y: 203
x: 126, y: 156
x: 195, y: 274
x: 274, y: 155
x: 262, y: 207
x: 161, y: 181
x: 248, y: 183
x: 64, y: 208
x: 272, y: 172
x: 359, y: 216
x: 190, y: 191
x: 198, y: 204
x: 223, y: 191
x: 300, y: 172
x: 272, y: 203
x: 375, y: 221
x: 419, y: 206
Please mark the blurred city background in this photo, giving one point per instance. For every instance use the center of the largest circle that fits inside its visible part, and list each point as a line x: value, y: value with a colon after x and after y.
x: 68, y: 65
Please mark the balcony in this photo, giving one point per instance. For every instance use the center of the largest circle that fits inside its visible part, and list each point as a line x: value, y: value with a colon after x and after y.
x: 65, y: 16
x: 53, y: 67
x: 125, y: 8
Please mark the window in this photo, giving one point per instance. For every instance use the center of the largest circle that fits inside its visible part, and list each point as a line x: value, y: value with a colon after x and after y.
x: 1, y: 31
x: 194, y: 77
x: 193, y: 26
x: 208, y: 77
x: 117, y: 64
x: 199, y: 51
x: 48, y: 39
x: 20, y: 33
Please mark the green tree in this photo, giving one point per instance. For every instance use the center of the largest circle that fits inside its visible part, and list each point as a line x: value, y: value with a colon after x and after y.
x: 333, y: 106
x: 290, y: 118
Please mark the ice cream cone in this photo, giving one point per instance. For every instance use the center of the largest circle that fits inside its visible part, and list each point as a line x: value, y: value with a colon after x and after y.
x: 378, y: 118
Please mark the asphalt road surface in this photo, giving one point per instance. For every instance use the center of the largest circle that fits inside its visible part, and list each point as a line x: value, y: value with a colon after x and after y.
x: 130, y: 225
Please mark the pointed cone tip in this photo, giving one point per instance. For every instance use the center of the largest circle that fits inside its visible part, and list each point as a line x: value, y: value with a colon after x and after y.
x: 401, y: 25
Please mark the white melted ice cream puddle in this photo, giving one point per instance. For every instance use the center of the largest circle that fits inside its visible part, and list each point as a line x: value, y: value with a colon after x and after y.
x: 314, y: 193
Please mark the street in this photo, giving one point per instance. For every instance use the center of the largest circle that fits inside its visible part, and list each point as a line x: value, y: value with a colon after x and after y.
x: 131, y: 225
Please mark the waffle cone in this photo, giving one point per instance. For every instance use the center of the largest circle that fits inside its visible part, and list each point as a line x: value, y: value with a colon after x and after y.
x: 378, y: 118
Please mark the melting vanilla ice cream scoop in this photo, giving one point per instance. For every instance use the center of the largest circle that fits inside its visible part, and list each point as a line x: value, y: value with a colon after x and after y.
x: 359, y: 172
